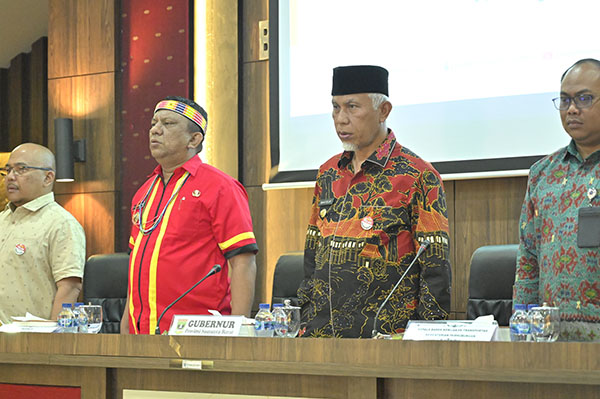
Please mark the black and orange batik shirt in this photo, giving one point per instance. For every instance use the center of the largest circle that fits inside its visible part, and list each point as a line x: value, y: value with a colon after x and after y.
x: 362, y: 235
x: 205, y: 221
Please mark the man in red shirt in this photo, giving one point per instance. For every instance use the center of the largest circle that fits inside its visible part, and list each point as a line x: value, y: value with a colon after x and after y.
x: 187, y: 217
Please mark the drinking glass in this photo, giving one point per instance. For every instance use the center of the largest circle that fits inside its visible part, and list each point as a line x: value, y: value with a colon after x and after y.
x: 94, y: 313
x: 293, y: 319
x: 545, y: 323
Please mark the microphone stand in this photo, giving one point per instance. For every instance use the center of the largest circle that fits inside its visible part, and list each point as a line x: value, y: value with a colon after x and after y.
x: 421, y: 249
x: 215, y: 269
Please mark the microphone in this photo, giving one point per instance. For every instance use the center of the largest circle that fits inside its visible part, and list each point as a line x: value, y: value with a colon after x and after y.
x: 215, y: 269
x: 424, y: 245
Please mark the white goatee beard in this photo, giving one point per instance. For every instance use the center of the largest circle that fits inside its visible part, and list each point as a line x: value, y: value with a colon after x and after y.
x: 349, y: 146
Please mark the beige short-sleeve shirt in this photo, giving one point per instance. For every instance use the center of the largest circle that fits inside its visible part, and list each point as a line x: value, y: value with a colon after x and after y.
x: 40, y: 244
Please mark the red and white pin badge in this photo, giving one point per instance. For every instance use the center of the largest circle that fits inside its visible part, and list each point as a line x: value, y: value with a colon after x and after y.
x: 19, y: 249
x: 366, y: 223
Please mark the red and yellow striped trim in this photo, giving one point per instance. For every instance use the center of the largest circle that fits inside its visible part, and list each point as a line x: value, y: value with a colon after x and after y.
x: 234, y: 240
x: 134, y: 253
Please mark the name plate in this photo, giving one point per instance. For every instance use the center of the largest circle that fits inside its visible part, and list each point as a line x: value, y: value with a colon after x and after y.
x: 206, y: 325
x: 450, y: 330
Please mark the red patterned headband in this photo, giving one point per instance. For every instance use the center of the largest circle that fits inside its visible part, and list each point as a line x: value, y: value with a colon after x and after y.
x: 185, y: 110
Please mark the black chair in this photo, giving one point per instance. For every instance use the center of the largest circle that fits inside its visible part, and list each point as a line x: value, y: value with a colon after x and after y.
x: 289, y: 272
x: 491, y: 281
x: 105, y: 283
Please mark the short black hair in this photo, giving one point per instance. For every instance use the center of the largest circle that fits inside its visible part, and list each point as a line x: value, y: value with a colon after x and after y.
x: 193, y: 126
x: 592, y: 61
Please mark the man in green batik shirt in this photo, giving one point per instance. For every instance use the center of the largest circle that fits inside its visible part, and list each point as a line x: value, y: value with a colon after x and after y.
x: 559, y: 251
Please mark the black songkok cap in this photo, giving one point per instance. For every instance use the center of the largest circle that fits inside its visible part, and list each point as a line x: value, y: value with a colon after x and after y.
x: 359, y: 79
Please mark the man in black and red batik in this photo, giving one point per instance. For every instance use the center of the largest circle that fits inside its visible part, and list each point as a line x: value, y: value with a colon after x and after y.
x: 373, y: 206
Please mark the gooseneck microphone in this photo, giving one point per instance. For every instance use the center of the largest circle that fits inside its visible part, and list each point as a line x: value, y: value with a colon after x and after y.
x: 215, y: 269
x: 424, y: 245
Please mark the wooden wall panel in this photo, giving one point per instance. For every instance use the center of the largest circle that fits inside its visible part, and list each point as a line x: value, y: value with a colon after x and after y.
x: 258, y: 203
x: 96, y: 213
x: 37, y: 96
x: 256, y: 146
x: 487, y: 213
x: 280, y: 220
x: 81, y: 37
x: 252, y: 11
x: 222, y: 85
x: 261, y: 385
x: 81, y: 84
x: 287, y: 220
x: 90, y: 101
x: 449, y: 191
x: 254, y: 98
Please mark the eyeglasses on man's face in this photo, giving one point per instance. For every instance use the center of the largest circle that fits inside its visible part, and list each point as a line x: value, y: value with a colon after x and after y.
x: 581, y: 101
x: 20, y: 170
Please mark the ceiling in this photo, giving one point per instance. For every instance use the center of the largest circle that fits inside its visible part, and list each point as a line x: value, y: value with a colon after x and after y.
x: 22, y: 22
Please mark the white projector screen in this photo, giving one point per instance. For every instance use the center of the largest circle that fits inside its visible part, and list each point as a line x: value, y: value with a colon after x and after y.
x: 471, y: 81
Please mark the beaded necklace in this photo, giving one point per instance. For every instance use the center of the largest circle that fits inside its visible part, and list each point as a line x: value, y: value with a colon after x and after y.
x: 157, y: 219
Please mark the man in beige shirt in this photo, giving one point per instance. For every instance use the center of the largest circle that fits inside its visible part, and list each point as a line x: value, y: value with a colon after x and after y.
x: 42, y: 246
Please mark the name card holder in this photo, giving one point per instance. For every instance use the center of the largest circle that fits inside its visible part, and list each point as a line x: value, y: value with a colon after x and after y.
x: 205, y: 325
x: 451, y: 330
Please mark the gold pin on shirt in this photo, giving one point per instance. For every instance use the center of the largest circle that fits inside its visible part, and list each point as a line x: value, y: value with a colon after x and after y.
x: 323, y: 213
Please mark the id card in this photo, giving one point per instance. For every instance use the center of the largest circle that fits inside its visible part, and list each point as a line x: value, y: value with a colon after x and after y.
x: 588, y: 231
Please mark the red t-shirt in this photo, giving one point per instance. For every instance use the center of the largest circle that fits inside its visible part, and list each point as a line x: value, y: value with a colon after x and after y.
x: 202, y: 218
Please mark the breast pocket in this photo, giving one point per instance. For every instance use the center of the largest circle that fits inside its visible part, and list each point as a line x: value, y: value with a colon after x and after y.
x: 185, y: 220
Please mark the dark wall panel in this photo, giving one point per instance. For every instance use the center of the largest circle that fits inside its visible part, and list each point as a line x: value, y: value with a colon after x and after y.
x: 4, y: 133
x: 24, y: 98
x: 37, y: 95
x: 16, y: 81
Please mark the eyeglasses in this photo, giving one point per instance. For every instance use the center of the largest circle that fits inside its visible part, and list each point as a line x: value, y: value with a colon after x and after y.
x: 20, y: 170
x: 581, y: 101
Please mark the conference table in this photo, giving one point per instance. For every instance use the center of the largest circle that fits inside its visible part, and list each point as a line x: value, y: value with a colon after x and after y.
x: 122, y: 366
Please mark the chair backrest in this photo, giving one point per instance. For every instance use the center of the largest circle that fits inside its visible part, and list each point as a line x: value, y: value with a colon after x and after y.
x: 105, y: 283
x: 289, y: 272
x: 491, y: 281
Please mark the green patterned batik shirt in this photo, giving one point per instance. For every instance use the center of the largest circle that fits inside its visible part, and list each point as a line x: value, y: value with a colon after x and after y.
x: 551, y: 267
